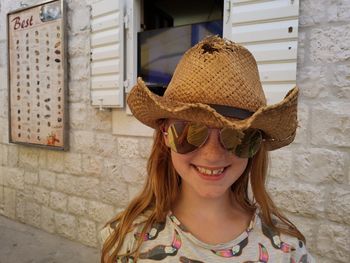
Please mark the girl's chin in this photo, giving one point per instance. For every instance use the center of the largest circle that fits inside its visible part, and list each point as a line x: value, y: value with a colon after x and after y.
x: 212, y: 193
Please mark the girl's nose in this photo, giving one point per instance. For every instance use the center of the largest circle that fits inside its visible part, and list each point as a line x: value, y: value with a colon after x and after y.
x: 212, y: 147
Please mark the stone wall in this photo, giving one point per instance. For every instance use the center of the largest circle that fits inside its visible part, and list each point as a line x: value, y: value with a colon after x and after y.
x: 74, y: 193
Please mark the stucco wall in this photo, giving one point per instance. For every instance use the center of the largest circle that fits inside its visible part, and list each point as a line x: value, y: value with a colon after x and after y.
x: 74, y: 193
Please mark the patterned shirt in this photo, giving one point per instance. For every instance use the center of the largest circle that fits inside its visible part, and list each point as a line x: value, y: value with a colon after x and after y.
x: 171, y: 242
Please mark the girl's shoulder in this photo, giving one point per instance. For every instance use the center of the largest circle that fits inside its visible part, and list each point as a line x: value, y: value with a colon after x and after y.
x: 110, y: 228
x: 285, y: 243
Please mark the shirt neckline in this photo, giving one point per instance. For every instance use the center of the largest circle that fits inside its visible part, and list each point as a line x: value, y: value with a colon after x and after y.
x: 182, y: 229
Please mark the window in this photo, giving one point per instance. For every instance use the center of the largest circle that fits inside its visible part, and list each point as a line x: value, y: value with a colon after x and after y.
x: 269, y: 29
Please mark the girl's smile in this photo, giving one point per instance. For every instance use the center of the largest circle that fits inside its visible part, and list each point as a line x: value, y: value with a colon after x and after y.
x: 209, y: 171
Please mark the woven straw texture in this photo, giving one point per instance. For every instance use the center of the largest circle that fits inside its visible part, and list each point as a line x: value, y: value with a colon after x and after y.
x: 218, y: 71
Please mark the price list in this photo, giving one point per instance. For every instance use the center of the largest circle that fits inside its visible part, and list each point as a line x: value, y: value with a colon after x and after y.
x: 36, y: 71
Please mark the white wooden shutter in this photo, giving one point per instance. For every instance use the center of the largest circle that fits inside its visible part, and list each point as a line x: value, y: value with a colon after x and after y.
x: 107, y: 49
x: 269, y: 29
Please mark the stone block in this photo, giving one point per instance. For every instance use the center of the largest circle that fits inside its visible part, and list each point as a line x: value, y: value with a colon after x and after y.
x: 66, y: 225
x: 41, y: 196
x: 333, y: 241
x: 134, y: 190
x: 341, y: 76
x: 28, y: 158
x: 79, y: 68
x: 281, y: 163
x: 78, y: 91
x: 114, y: 192
x: 313, y: 81
x: 3, y: 53
x: 14, y: 177
x: 330, y: 124
x: 2, y: 175
x: 319, y: 165
x: 79, y: 19
x: 338, y: 11
x: 55, y: 161
x: 100, y: 212
x: 72, y: 163
x: 9, y: 202
x: 43, y: 158
x: 20, y: 206
x: 311, y: 12
x: 329, y: 44
x: 48, y: 219
x: 128, y: 147
x: 106, y: 145
x: 32, y: 214
x: 338, y: 208
x: 47, y: 179
x: 3, y: 155
x: 113, y: 169
x: 92, y: 164
x: 79, y: 186
x: 12, y: 158
x: 340, y: 79
x: 79, y: 45
x: 3, y: 130
x: 132, y: 170
x: 303, y: 199
x: 303, y: 124
x: 58, y: 201
x: 31, y: 178
x: 77, y: 206
x: 82, y: 141
x: 100, y: 120
x: 87, y: 233
x: 65, y: 183
x: 87, y: 187
x: 78, y: 116
x: 1, y: 199
x: 145, y: 146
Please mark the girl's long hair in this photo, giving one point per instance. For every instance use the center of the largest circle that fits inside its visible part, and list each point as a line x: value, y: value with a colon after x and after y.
x: 162, y: 187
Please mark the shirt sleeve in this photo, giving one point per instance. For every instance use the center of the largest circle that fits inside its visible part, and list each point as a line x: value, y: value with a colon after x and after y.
x: 126, y: 247
x: 300, y: 254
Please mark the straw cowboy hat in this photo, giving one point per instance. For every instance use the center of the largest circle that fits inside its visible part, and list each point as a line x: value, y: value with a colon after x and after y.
x: 217, y: 83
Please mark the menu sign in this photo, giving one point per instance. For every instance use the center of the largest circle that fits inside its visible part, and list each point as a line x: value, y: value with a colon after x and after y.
x: 37, y: 110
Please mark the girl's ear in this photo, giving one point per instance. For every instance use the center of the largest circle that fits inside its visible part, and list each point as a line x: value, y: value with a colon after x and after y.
x: 165, y: 138
x: 164, y: 133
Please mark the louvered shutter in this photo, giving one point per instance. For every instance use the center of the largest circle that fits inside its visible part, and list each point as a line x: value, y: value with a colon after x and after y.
x: 107, y: 61
x: 269, y: 29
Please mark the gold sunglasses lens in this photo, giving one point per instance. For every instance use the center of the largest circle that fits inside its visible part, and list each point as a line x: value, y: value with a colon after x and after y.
x: 197, y: 134
x: 250, y: 144
x: 229, y: 138
x: 185, y: 137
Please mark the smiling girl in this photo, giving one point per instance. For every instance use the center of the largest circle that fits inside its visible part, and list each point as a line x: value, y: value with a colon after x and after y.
x: 204, y: 198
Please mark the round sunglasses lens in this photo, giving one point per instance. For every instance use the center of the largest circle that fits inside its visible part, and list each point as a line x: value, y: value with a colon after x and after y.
x: 197, y: 134
x: 250, y: 144
x: 229, y: 138
x: 185, y: 137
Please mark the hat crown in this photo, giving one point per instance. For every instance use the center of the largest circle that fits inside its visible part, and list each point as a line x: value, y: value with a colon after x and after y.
x: 217, y: 71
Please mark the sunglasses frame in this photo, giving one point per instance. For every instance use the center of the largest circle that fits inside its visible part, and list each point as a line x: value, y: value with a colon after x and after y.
x: 165, y: 128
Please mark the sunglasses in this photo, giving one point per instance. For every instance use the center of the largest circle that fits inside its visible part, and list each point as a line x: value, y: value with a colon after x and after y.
x: 185, y: 137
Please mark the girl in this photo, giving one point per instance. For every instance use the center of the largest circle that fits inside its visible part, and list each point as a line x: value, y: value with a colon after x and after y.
x: 204, y: 199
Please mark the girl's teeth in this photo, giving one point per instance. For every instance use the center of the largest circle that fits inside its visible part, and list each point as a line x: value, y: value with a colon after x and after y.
x: 209, y: 172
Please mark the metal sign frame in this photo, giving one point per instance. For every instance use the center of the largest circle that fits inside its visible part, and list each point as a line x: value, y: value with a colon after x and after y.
x: 37, y: 75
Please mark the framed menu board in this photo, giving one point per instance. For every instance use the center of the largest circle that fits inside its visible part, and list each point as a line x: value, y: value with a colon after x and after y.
x: 37, y: 75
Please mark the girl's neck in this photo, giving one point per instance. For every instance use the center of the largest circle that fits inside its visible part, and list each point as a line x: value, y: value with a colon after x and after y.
x: 190, y: 204
x: 210, y: 220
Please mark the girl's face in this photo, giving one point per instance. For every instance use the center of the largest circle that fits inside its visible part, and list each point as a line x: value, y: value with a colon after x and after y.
x: 209, y: 171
